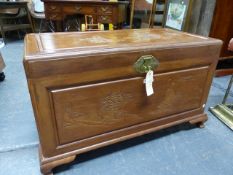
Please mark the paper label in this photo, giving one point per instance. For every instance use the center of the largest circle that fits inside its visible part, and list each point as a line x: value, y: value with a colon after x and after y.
x: 149, y: 83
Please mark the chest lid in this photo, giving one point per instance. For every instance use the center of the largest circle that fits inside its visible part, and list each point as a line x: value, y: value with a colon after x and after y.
x: 83, y: 43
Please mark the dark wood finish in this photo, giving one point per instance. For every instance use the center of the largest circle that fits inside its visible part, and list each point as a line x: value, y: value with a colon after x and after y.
x: 86, y: 93
x: 222, y: 28
x: 102, y: 11
x: 222, y: 25
x: 223, y: 72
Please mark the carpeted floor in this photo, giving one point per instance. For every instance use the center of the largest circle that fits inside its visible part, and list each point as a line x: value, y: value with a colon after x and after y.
x: 180, y: 150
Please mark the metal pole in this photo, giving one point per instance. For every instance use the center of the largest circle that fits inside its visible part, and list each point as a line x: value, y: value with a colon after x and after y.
x: 228, y: 90
x: 132, y: 13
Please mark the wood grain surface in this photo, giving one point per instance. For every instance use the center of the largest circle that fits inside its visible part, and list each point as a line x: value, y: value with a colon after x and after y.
x: 86, y: 93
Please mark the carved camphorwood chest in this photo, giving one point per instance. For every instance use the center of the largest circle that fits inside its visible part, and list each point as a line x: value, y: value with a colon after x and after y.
x: 89, y: 90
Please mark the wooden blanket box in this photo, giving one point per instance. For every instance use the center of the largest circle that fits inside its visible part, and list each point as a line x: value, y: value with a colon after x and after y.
x: 87, y: 89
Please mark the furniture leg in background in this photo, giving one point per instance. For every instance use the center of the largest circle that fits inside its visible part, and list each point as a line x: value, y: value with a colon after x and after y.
x: 224, y: 111
x: 2, y: 65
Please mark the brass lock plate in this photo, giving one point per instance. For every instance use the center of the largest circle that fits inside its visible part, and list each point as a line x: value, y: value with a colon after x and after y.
x: 146, y: 63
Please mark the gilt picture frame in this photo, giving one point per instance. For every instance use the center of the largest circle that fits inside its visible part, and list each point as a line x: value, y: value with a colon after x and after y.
x: 177, y: 14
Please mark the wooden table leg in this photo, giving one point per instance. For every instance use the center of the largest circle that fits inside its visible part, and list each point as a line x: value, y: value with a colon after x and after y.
x: 31, y: 21
x: 59, y: 26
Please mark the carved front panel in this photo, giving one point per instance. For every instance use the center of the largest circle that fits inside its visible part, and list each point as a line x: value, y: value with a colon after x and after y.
x: 85, y: 111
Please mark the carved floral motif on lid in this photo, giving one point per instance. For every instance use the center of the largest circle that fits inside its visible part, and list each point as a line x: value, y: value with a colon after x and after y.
x: 96, y: 40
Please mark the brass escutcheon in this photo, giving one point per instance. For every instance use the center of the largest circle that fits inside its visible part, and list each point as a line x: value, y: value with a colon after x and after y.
x: 146, y: 63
